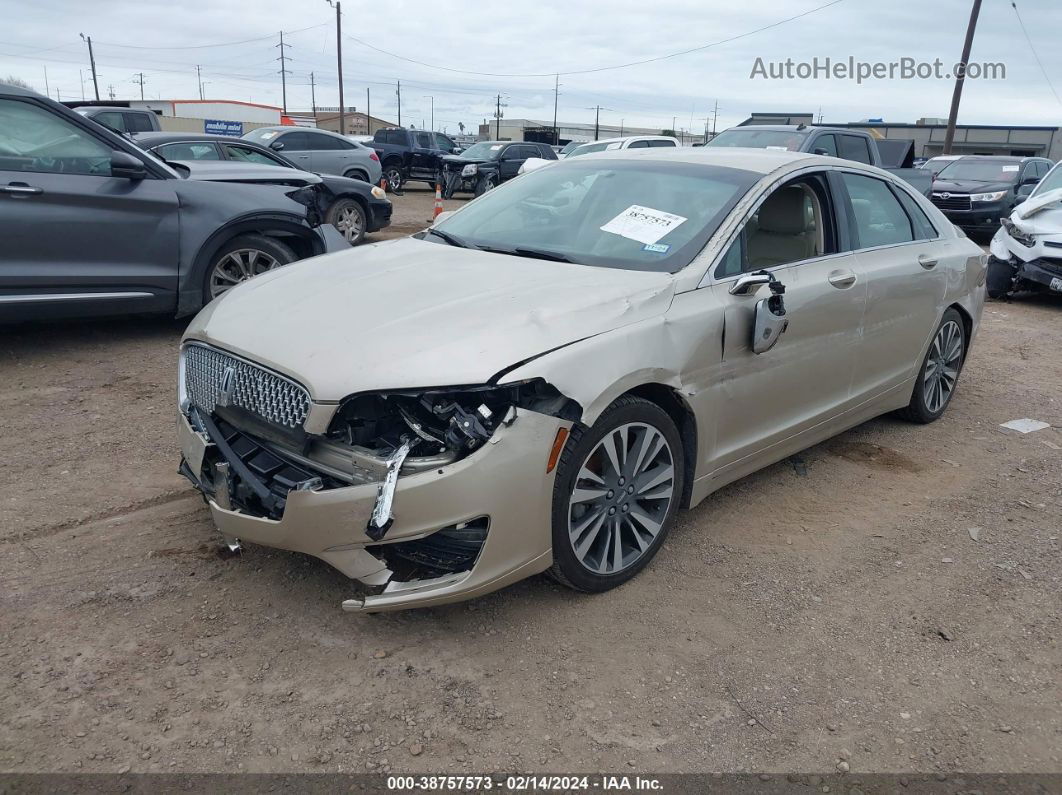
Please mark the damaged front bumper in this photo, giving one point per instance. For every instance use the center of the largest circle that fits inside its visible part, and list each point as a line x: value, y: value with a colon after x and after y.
x: 500, y: 496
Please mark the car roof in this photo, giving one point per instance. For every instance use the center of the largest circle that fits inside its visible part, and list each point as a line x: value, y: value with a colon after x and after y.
x: 7, y: 88
x: 1001, y: 158
x: 286, y: 128
x: 155, y: 138
x: 621, y: 138
x: 761, y: 161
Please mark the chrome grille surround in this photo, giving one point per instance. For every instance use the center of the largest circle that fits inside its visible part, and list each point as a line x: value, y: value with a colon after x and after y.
x: 271, y: 396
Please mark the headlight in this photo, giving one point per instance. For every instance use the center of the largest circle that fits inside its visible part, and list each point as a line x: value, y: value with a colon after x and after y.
x: 469, y: 170
x: 1018, y: 235
x: 378, y: 192
x: 988, y: 197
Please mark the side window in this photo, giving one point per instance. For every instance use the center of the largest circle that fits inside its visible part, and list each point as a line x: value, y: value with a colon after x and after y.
x: 827, y: 144
x: 639, y: 145
x: 322, y: 143
x: 425, y: 140
x: 923, y: 227
x: 661, y: 143
x: 189, y: 151
x: 294, y: 142
x: 37, y: 140
x: 397, y: 137
x: 113, y: 119
x: 879, y: 218
x: 248, y: 155
x: 443, y: 143
x: 138, y: 122
x: 855, y: 147
x: 793, y: 223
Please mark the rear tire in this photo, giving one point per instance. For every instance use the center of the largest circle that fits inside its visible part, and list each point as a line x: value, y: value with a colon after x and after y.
x: 357, y: 174
x: 938, y: 376
x: 617, y: 488
x: 393, y: 175
x: 242, y: 258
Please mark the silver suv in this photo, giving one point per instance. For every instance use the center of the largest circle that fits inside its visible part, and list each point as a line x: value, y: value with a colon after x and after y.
x: 320, y: 150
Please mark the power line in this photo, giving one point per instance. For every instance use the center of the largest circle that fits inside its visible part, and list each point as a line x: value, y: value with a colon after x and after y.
x: 207, y: 46
x: 1033, y: 51
x: 601, y: 68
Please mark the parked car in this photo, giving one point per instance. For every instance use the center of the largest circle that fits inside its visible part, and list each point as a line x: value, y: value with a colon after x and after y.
x: 486, y: 165
x: 627, y: 142
x: 412, y: 155
x: 937, y: 164
x: 1026, y: 251
x: 976, y: 192
x: 121, y: 120
x: 542, y: 379
x: 356, y: 207
x: 322, y: 151
x: 841, y: 142
x: 569, y: 147
x: 92, y: 224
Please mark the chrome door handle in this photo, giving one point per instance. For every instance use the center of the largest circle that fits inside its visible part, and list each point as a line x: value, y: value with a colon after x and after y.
x: 927, y: 262
x: 842, y: 280
x: 20, y: 188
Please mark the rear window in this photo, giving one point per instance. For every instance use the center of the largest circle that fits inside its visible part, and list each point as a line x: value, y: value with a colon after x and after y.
x: 760, y: 139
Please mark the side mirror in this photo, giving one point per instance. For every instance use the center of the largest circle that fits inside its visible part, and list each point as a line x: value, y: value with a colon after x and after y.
x: 748, y: 283
x: 276, y: 146
x: 769, y: 324
x: 1025, y: 190
x: 820, y: 151
x: 1030, y: 181
x: 456, y: 150
x: 125, y: 166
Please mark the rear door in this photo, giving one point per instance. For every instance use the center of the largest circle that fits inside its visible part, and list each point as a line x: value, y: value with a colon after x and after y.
x: 512, y: 157
x: 797, y: 234
x: 905, y: 264
x: 423, y: 159
x: 73, y: 235
x: 329, y: 154
x: 297, y: 149
x: 854, y: 147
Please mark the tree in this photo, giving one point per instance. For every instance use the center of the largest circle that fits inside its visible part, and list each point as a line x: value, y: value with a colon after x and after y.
x: 461, y: 127
x: 18, y: 82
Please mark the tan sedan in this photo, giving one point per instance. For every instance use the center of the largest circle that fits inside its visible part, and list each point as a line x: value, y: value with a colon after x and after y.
x: 541, y: 380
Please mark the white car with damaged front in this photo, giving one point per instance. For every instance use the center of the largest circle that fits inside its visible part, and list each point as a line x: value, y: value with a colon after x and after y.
x: 541, y: 380
x: 1026, y: 252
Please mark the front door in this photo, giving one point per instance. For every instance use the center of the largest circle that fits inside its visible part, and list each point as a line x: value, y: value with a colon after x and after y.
x: 73, y: 234
x: 765, y: 399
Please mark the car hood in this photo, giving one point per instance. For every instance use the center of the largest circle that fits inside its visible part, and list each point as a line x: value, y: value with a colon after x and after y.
x: 412, y: 313
x: 969, y: 186
x: 461, y: 160
x: 225, y: 171
x: 1038, y: 204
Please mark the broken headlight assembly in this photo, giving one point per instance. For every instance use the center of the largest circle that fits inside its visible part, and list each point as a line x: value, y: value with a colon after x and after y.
x: 439, y: 425
x: 1017, y: 234
x: 469, y: 170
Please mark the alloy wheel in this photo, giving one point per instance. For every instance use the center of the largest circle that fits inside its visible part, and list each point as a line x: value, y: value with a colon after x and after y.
x: 239, y: 266
x: 394, y: 180
x: 620, y: 498
x: 942, y: 366
x: 350, y: 223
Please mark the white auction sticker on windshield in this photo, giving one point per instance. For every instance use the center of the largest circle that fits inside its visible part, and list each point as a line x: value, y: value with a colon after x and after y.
x: 1010, y: 168
x: 643, y: 224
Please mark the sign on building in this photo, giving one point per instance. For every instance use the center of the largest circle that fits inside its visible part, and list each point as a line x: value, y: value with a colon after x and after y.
x: 222, y: 127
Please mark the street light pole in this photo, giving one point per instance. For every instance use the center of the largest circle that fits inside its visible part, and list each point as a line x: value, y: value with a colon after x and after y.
x: 960, y: 76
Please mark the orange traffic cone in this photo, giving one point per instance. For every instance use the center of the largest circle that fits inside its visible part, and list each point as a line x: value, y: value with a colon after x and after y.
x: 383, y: 184
x: 438, y: 200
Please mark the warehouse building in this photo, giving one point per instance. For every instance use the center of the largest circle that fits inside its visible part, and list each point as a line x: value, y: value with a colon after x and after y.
x: 542, y: 131
x: 928, y: 135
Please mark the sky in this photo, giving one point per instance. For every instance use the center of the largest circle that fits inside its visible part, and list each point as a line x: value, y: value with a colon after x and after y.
x: 234, y: 44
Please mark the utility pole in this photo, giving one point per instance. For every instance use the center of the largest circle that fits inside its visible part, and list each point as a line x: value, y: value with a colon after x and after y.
x: 715, y: 117
x: 597, y: 120
x: 432, y: 112
x: 110, y: 90
x: 81, y: 77
x: 339, y: 64
x: 199, y: 79
x: 398, y: 93
x: 956, y: 95
x: 47, y: 90
x: 368, y: 110
x: 283, y: 73
x: 674, y: 121
x: 141, y: 81
x: 313, y: 97
x: 92, y: 63
x: 556, y: 92
x: 621, y: 127
x: 498, y: 117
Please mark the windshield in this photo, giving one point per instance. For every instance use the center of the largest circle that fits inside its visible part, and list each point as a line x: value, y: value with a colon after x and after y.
x: 760, y: 139
x: 484, y: 150
x: 937, y: 164
x: 980, y: 171
x: 262, y: 135
x: 635, y: 215
x: 1053, y: 181
x: 570, y: 146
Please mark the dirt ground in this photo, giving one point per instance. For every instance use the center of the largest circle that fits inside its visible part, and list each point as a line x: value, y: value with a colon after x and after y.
x: 890, y: 599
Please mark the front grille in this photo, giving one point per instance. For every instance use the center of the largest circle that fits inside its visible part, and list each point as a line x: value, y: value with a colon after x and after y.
x: 272, y: 397
x: 955, y: 201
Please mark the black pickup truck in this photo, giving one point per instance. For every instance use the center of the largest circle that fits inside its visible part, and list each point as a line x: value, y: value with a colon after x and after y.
x: 411, y: 155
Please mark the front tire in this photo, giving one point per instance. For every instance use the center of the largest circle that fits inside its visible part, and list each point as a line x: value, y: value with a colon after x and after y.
x: 348, y: 216
x: 939, y: 374
x: 393, y: 175
x: 240, y: 259
x: 485, y: 184
x: 617, y: 488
